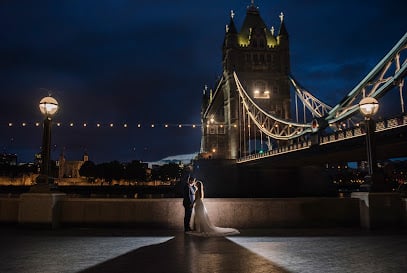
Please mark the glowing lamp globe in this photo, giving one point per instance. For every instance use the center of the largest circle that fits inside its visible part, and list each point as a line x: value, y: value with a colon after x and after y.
x: 48, y: 106
x: 368, y: 107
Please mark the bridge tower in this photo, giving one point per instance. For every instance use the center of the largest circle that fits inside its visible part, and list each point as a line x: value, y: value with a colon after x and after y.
x: 260, y: 57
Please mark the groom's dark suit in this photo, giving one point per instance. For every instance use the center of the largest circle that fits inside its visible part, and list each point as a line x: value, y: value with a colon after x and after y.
x: 189, y: 196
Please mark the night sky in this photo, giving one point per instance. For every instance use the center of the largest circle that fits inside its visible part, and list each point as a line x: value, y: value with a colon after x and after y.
x: 147, y: 62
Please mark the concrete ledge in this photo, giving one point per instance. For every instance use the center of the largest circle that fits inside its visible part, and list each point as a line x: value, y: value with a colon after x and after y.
x: 379, y: 209
x: 284, y: 212
x: 9, y: 210
x: 40, y: 209
x: 239, y: 213
x: 169, y: 213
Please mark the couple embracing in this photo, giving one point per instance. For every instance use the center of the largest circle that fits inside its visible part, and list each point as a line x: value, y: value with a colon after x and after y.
x: 193, y: 202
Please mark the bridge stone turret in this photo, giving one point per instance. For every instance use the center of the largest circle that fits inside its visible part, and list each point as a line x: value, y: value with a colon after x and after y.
x: 261, y: 59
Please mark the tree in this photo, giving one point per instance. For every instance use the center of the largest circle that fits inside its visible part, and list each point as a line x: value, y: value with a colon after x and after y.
x: 135, y: 170
x: 88, y: 169
x: 110, y: 171
x: 167, y: 172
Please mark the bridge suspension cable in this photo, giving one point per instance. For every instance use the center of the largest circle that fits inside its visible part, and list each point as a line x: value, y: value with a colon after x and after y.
x: 270, y: 125
x: 314, y: 105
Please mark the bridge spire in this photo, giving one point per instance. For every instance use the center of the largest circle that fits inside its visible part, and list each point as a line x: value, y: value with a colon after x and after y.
x: 252, y: 7
x: 231, y: 32
x: 283, y: 31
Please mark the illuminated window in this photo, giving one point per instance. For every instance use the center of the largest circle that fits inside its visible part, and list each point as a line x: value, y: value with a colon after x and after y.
x: 260, y: 90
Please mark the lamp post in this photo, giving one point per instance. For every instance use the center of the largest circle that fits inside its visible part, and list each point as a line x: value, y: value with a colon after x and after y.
x: 369, y: 106
x: 377, y: 208
x: 48, y: 107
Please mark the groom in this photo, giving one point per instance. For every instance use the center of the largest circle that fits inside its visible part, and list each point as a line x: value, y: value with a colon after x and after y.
x: 188, y: 202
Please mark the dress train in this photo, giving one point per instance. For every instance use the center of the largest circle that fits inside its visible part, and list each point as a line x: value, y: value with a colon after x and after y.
x: 203, y: 225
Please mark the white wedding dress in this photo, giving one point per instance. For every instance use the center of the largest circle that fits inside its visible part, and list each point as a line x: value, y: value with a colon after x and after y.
x: 203, y: 225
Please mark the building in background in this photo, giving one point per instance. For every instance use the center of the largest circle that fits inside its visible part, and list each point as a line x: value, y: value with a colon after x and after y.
x: 70, y: 169
x: 8, y: 159
x: 260, y: 57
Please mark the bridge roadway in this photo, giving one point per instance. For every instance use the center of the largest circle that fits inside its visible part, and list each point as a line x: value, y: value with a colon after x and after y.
x: 343, y: 146
x: 88, y: 250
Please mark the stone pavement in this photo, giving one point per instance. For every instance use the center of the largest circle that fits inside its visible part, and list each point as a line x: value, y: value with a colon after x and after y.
x: 88, y: 250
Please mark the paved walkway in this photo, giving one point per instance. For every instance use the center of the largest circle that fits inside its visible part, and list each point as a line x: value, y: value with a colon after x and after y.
x: 253, y: 251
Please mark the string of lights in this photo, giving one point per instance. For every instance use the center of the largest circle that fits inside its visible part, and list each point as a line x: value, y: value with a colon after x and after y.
x: 126, y: 125
x: 100, y: 125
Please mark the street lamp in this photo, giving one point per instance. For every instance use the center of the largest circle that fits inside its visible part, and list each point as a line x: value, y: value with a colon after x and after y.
x: 369, y: 107
x: 48, y: 107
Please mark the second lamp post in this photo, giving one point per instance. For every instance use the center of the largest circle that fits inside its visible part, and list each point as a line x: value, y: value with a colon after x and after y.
x: 369, y: 107
x: 48, y: 107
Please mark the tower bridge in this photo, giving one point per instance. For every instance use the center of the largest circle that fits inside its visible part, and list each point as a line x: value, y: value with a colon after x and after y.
x: 250, y: 138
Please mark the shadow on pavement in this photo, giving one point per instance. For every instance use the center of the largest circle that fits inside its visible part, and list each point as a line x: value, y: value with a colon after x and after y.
x: 185, y: 253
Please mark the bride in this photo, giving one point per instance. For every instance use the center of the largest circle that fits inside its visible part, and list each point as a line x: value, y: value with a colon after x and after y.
x: 203, y: 225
